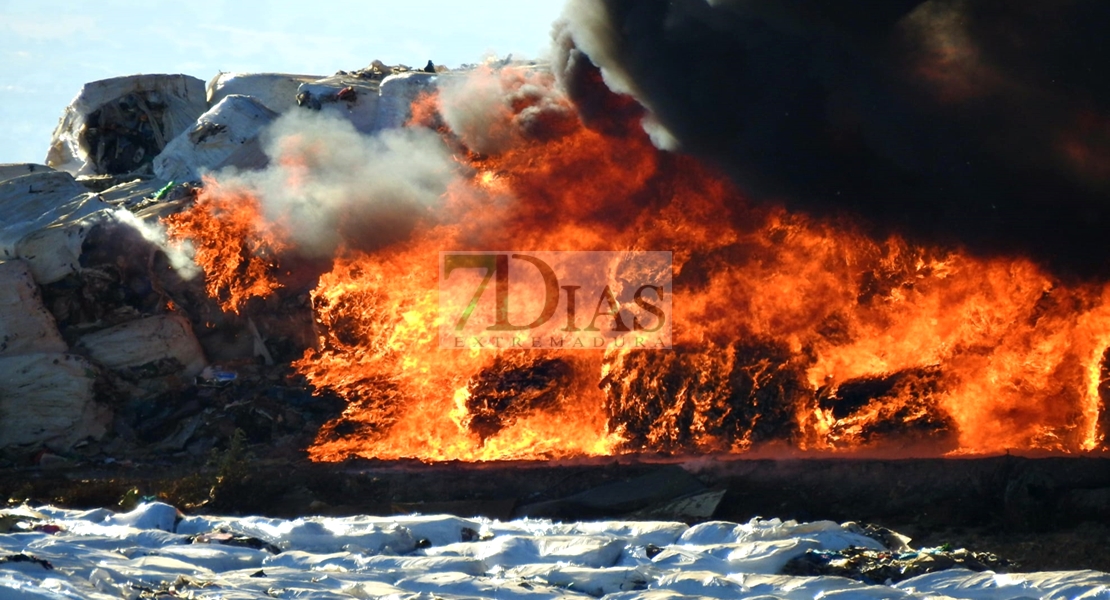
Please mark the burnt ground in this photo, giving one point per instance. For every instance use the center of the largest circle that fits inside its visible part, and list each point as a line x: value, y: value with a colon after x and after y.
x: 1050, y: 513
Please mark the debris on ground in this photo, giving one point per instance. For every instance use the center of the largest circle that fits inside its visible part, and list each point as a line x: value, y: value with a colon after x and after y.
x: 885, y: 567
x: 234, y: 539
x: 26, y: 558
x: 156, y: 552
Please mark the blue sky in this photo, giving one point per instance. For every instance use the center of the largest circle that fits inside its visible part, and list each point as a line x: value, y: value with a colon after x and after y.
x: 49, y: 49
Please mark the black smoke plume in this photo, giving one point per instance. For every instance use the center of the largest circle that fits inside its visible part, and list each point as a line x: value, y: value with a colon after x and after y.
x: 978, y: 123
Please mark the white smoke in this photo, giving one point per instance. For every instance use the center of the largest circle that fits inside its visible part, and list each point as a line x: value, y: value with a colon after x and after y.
x: 179, y: 254
x: 327, y: 183
x: 491, y: 109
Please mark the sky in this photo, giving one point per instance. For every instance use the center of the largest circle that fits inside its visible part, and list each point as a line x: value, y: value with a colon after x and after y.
x: 48, y: 50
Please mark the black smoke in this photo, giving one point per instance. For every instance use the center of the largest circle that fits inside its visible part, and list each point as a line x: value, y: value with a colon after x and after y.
x: 979, y: 123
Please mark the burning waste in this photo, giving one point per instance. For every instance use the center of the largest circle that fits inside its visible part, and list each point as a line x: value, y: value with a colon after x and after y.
x: 814, y: 330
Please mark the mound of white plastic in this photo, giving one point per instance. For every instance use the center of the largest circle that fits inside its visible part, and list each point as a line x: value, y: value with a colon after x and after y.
x: 225, y: 136
x: 276, y: 91
x: 117, y: 125
x: 154, y: 550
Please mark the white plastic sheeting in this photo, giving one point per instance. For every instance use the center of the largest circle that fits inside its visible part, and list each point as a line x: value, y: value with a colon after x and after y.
x: 151, y: 350
x: 276, y: 91
x: 11, y: 170
x: 349, y: 97
x: 48, y: 397
x: 397, y: 94
x: 99, y: 554
x: 46, y: 217
x: 25, y: 325
x: 226, y: 135
x: 168, y: 103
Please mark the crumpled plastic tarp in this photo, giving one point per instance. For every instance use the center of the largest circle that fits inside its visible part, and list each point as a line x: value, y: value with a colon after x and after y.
x: 45, y: 218
x: 118, y: 125
x: 225, y: 136
x: 275, y: 91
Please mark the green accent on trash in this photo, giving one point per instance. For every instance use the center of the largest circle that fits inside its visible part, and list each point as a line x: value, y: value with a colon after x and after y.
x: 165, y: 190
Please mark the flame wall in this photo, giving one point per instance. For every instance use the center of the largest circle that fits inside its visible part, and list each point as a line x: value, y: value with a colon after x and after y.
x: 793, y: 331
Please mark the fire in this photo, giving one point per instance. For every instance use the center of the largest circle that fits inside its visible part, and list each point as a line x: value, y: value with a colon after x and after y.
x: 790, y: 331
x: 234, y: 245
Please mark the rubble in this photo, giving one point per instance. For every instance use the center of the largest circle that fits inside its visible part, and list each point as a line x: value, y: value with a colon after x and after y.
x: 881, y: 567
x: 119, y: 125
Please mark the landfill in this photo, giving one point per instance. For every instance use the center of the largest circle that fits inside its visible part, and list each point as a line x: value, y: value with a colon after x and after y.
x: 102, y: 323
x: 155, y: 551
x: 112, y: 352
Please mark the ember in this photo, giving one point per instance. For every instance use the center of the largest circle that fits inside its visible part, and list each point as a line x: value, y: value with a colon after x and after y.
x: 790, y: 331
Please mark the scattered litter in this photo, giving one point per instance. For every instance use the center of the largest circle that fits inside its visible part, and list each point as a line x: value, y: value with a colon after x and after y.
x: 884, y: 566
x: 214, y: 377
x: 26, y: 558
x: 232, y: 539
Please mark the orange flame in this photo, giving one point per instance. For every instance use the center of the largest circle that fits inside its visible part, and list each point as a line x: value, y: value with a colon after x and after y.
x: 789, y: 330
x: 234, y: 245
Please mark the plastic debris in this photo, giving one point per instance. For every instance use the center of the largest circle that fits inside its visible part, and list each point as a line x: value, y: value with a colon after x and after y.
x: 214, y: 377
x: 885, y: 566
x: 119, y: 125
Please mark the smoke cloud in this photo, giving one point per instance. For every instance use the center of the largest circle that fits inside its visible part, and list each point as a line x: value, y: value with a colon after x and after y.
x: 324, y: 178
x: 985, y: 125
x: 490, y: 110
x: 155, y: 233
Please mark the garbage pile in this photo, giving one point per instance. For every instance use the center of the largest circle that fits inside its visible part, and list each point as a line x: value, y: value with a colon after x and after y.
x: 155, y: 551
x: 879, y: 567
x: 108, y: 345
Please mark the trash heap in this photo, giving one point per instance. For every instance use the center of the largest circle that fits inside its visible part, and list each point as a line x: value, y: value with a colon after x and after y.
x: 879, y: 567
x: 107, y: 347
x: 155, y: 551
